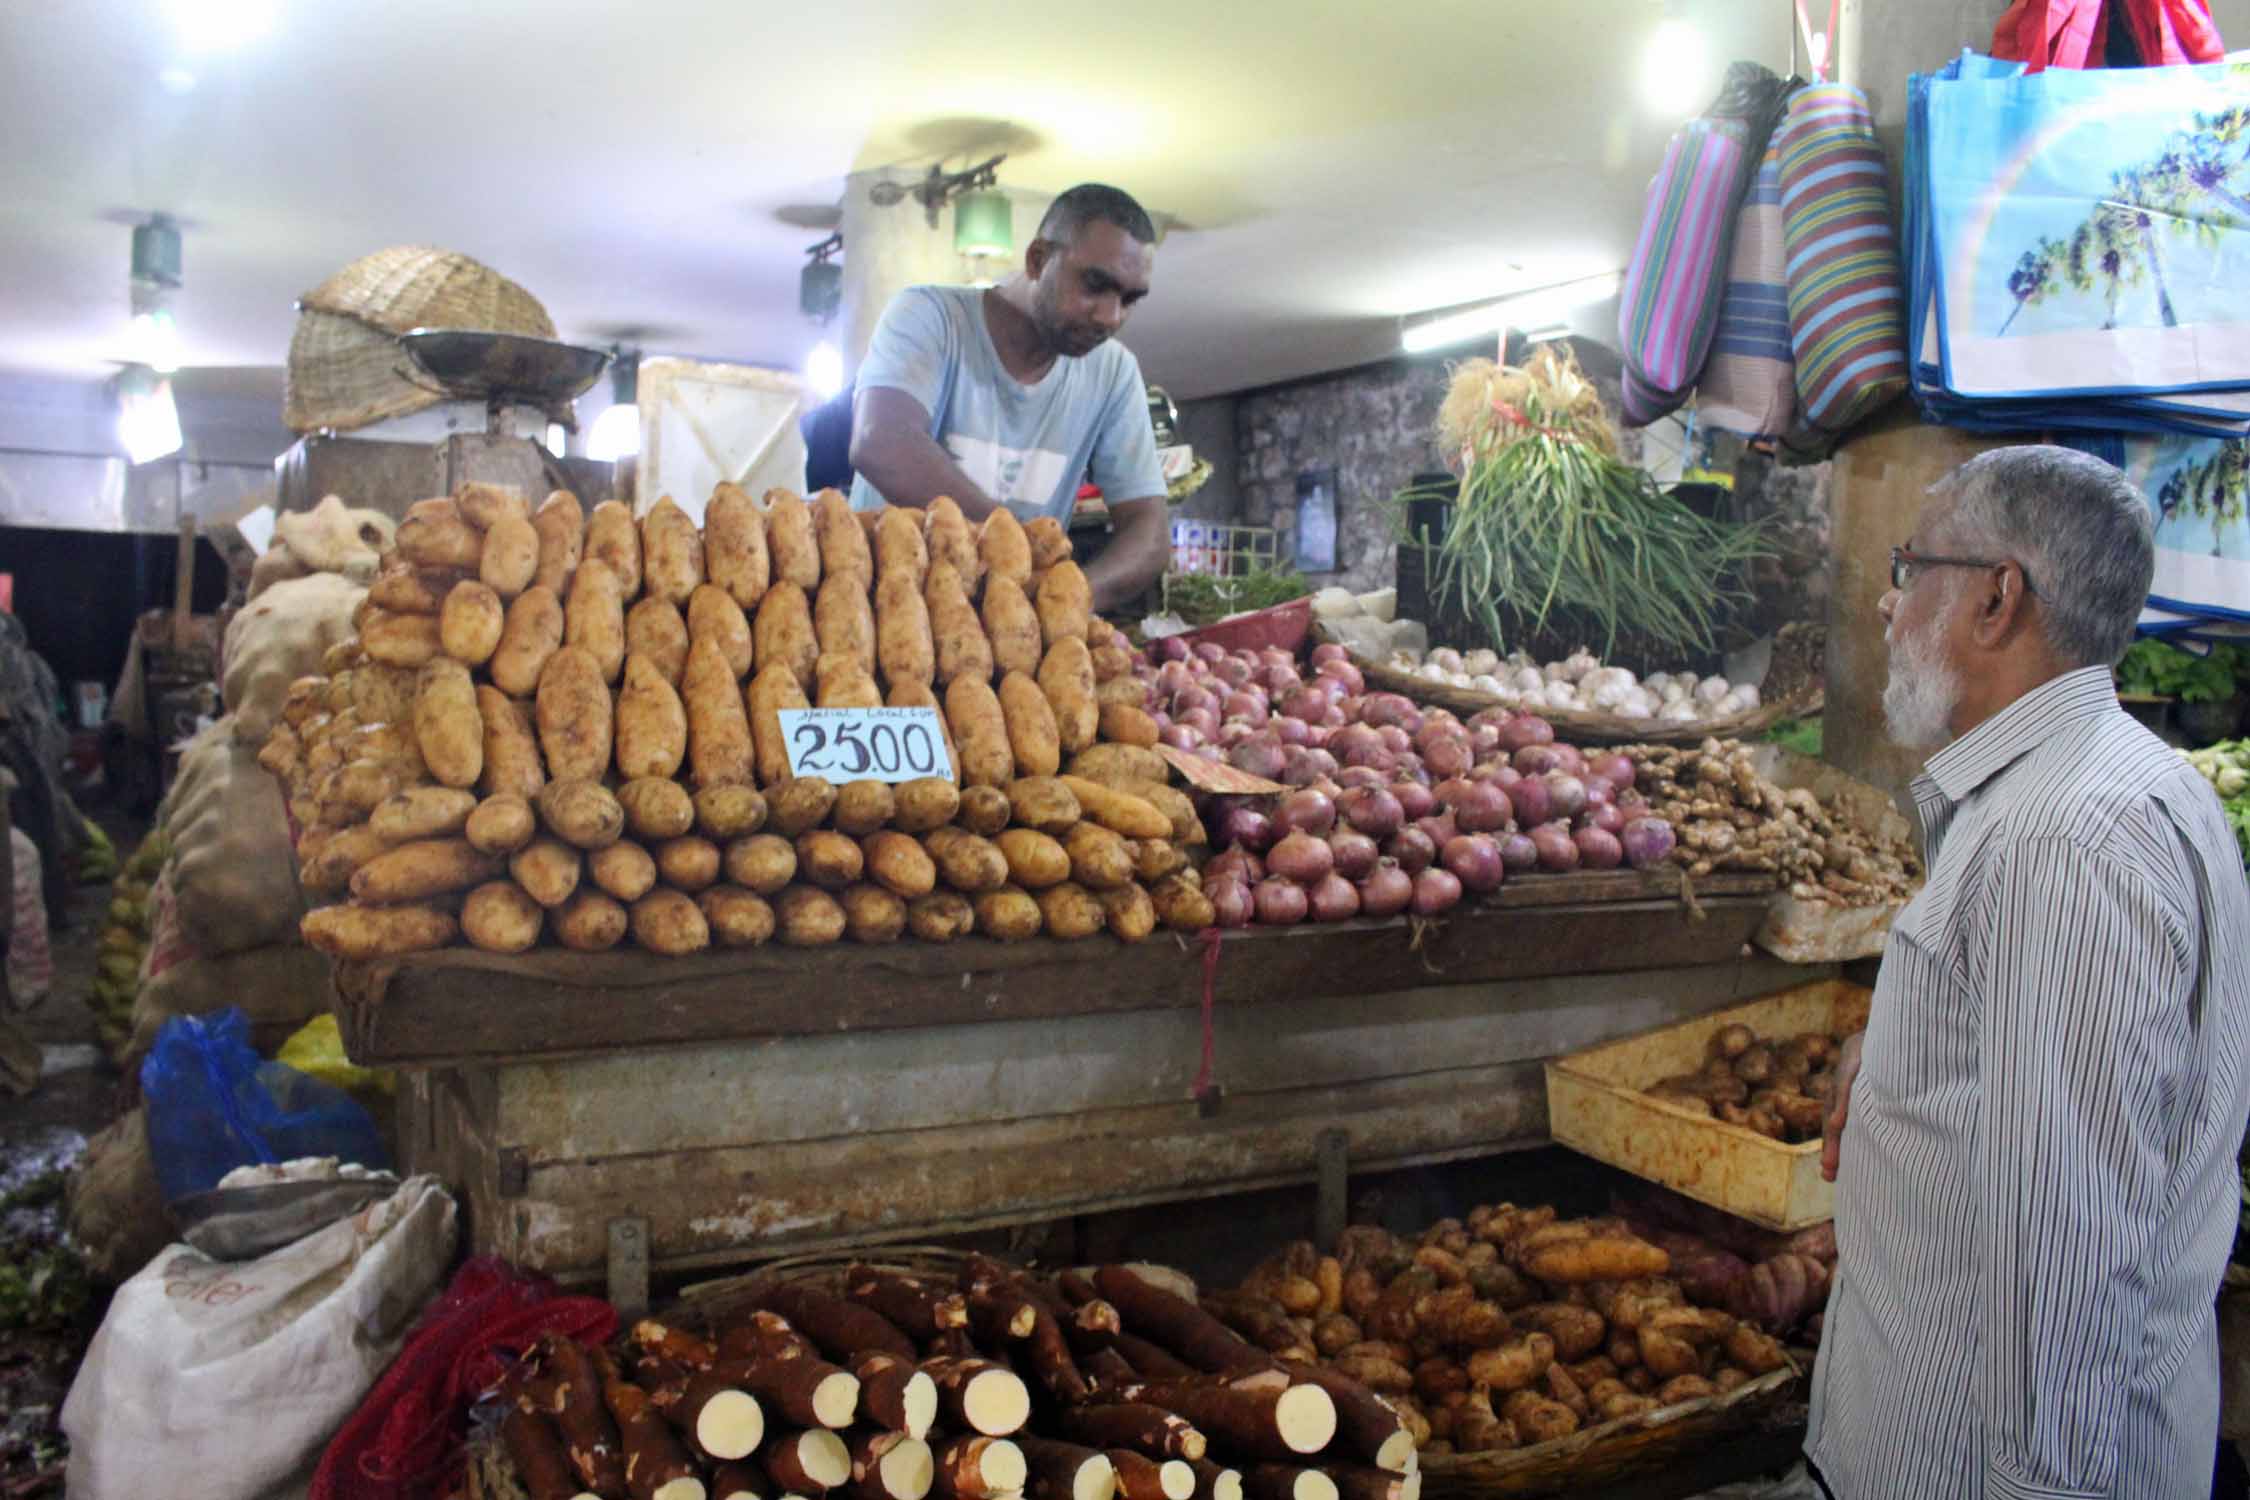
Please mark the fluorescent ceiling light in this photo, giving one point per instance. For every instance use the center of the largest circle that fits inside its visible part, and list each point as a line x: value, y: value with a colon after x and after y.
x: 1538, y: 308
x: 148, y: 422
x: 824, y: 370
x: 153, y: 339
x: 1676, y: 68
x: 221, y: 25
x: 1546, y: 335
x: 616, y: 434
x: 176, y: 81
x: 557, y: 439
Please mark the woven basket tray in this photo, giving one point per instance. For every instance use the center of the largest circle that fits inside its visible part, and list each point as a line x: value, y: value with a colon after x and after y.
x: 1792, y: 689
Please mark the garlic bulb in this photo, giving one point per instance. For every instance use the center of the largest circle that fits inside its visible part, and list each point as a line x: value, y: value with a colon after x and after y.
x: 1748, y: 695
x: 1446, y: 657
x: 1485, y: 682
x: 1677, y: 691
x: 1636, y: 703
x: 1432, y: 672
x: 1528, y: 679
x: 1562, y: 695
x: 1679, y: 710
x: 1712, y: 689
x: 1460, y: 679
x: 1576, y: 665
x: 1484, y: 663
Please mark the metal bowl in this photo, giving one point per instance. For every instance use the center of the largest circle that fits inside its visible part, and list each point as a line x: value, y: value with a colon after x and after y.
x: 474, y: 364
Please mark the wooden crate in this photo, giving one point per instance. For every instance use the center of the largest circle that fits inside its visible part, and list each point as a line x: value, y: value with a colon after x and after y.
x: 1595, y: 1104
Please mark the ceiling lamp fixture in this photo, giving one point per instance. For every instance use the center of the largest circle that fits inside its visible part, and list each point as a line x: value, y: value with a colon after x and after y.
x: 824, y: 370
x: 983, y: 218
x: 616, y: 433
x: 220, y: 25
x: 1676, y: 73
x: 148, y: 421
x: 820, y: 285
x: 154, y: 337
x: 1541, y: 308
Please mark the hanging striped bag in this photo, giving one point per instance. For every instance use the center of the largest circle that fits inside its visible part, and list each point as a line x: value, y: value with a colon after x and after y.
x: 1749, y: 386
x: 1846, y: 292
x: 1668, y: 308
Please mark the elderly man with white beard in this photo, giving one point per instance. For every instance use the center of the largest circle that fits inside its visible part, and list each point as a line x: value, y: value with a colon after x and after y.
x: 2034, y: 1141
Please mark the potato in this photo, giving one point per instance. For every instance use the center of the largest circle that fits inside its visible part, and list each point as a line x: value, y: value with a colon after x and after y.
x: 1514, y: 1365
x: 923, y: 804
x: 843, y: 540
x: 1113, y: 664
x: 359, y: 932
x: 762, y: 862
x: 1181, y: 905
x: 500, y: 824
x: 1577, y: 1331
x: 984, y: 810
x: 734, y: 545
x: 962, y: 650
x: 590, y: 922
x: 1127, y: 724
x: 808, y: 917
x: 561, y: 524
x: 594, y: 616
x: 719, y: 749
x: 329, y: 871
x: 967, y: 862
x: 899, y: 547
x: 940, y: 917
x: 1120, y: 812
x: 980, y: 730
x: 1004, y: 550
x: 775, y: 688
x: 656, y: 808
x: 844, y: 683
x: 783, y: 634
x: 903, y: 644
x: 1187, y: 823
x: 448, y: 729
x: 688, y: 862
x: 655, y: 630
x: 800, y: 805
x: 499, y: 918
x: 1130, y: 913
x: 1032, y: 737
x: 584, y: 814
x: 1050, y: 543
x: 434, y: 535
x: 872, y: 914
x: 482, y: 505
x: 1127, y: 692
x: 419, y: 870
x: 1043, y: 803
x: 1035, y: 861
x: 829, y: 860
x: 1099, y: 859
x: 738, y: 918
x: 510, y: 560
x: 729, y: 811
x: 1153, y: 859
x: 615, y: 542
x: 531, y: 634
x: 1008, y: 914
x: 899, y: 864
x: 624, y: 870
x: 576, y: 722
x: 1115, y: 765
x: 511, y: 746
x: 669, y: 923
x: 400, y: 640
x: 407, y: 590
x: 1011, y: 626
x: 424, y: 812
x: 919, y: 695
x: 864, y: 806
x: 671, y: 553
x: 1066, y: 676
x: 950, y: 539
x: 652, y: 723
x: 792, y: 543
x: 712, y: 612
x: 1065, y: 603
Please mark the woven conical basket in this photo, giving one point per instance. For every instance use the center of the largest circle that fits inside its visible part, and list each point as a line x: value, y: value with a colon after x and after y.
x: 344, y: 360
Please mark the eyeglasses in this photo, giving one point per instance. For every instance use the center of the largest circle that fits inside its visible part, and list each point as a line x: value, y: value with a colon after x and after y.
x: 1903, y: 564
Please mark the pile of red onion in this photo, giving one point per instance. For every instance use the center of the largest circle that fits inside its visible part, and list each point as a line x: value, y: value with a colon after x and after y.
x: 1395, y: 807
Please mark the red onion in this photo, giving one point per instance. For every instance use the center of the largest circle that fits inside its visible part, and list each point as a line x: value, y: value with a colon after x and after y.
x: 1538, y: 760
x: 1235, y: 863
x: 1356, y: 744
x: 1274, y: 656
x: 1474, y: 860
x: 1355, y: 852
x: 1412, y: 849
x: 1344, y: 673
x: 1335, y: 689
x: 1180, y: 736
x: 1491, y: 718
x: 1566, y: 794
x: 1231, y: 902
x: 1609, y: 818
x: 1409, y: 767
x: 1632, y: 802
x: 1533, y: 802
x: 1557, y: 850
x: 1210, y: 651
x: 1371, y: 810
x: 1518, y: 853
x: 1440, y: 827
x: 1386, y: 890
x: 1414, y: 799
x: 1618, y: 770
x: 1280, y: 903
x: 1450, y: 792
x: 1305, y: 811
x: 1395, y: 739
x: 1528, y: 730
x: 1483, y: 808
x: 1334, y: 899
x: 1498, y: 772
x: 1484, y: 741
x: 1248, y: 706
x: 1647, y: 841
x: 1280, y: 681
x: 1290, y: 731
x: 1328, y: 651
x: 1201, y: 720
x: 1360, y: 776
x: 1171, y: 648
x: 1573, y: 760
x: 1234, y: 732
x: 1599, y: 793
x: 1300, y: 857
x: 1599, y: 849
x: 1448, y: 755
x: 1234, y: 671
x: 1306, y: 766
x: 1391, y: 710
x: 1334, y: 716
x: 1436, y: 891
x: 1305, y: 704
x: 1260, y: 756
x: 1248, y: 827
x: 1189, y: 698
x: 1318, y: 735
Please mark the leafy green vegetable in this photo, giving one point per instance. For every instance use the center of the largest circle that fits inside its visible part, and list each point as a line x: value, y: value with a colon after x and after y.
x: 1800, y: 735
x: 2226, y: 766
x: 2152, y: 668
x: 1206, y: 598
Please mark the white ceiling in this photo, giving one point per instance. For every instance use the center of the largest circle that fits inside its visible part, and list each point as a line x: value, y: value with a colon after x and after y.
x: 1333, y: 164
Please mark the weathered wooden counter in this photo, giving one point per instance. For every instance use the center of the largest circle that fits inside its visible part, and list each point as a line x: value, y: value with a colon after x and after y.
x: 781, y: 1100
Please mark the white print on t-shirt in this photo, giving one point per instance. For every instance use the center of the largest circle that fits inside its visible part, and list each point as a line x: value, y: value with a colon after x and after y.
x: 1012, y: 476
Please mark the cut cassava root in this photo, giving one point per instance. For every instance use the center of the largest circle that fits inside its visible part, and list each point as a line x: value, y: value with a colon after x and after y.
x: 1140, y: 1427
x: 1065, y: 1471
x: 807, y: 1463
x: 1140, y: 1477
x: 980, y: 1468
x: 1216, y: 1481
x: 1286, y: 1482
x: 539, y: 1459
x: 1251, y: 1418
x: 724, y: 1419
x: 980, y: 1395
x: 891, y: 1466
x: 896, y: 1395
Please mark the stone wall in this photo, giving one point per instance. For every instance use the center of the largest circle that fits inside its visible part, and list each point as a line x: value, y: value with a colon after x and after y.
x: 1796, y: 583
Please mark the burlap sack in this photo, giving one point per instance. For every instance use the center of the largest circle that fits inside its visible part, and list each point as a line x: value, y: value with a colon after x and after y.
x: 333, y: 538
x: 279, y: 639
x: 279, y: 989
x: 234, y: 872
x: 116, y: 1209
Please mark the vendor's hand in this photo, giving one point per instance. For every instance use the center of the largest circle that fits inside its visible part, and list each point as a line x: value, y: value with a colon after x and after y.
x: 1839, y: 1106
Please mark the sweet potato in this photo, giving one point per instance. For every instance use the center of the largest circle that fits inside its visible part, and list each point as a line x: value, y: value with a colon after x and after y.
x: 561, y: 524
x: 720, y: 750
x: 1514, y: 1365
x: 528, y: 637
x: 734, y: 545
x: 783, y: 633
x: 1611, y: 1257
x: 950, y: 539
x: 594, y: 616
x: 775, y: 688
x: 1049, y: 543
x: 905, y: 647
x: 844, y: 683
x: 1004, y: 549
x: 671, y: 553
x: 1577, y: 1331
x: 1120, y: 812
x: 1030, y: 721
x: 842, y: 539
x: 1065, y: 604
x: 655, y: 630
x: 899, y: 547
x: 712, y: 613
x: 962, y: 650
x: 980, y: 731
x: 790, y: 540
x: 844, y: 620
x: 1011, y: 626
x: 1120, y: 765
x: 615, y: 542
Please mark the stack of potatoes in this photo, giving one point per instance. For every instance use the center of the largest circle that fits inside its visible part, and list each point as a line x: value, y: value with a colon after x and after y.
x: 560, y: 725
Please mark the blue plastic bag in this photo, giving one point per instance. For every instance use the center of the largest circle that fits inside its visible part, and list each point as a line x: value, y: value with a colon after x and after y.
x: 214, y: 1105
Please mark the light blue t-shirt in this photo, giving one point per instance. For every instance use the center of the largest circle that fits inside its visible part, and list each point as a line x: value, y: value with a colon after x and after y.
x: 1027, y: 446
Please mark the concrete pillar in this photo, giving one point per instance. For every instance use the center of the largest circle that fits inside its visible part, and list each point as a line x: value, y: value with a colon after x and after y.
x: 890, y: 248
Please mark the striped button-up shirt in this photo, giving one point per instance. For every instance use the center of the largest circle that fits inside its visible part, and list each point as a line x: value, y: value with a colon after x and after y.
x: 2038, y: 1188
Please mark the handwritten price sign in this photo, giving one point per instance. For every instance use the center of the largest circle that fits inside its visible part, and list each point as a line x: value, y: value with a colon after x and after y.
x: 865, y: 744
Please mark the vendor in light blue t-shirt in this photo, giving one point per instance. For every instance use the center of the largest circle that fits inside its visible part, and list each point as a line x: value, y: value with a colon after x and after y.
x: 1019, y: 394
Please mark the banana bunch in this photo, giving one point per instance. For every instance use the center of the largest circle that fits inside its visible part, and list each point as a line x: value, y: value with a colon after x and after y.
x: 124, y: 941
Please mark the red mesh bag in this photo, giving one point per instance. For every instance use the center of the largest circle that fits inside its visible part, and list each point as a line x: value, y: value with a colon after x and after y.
x: 406, y: 1437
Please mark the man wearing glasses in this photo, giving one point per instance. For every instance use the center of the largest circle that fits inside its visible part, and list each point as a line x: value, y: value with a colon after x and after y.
x: 2037, y: 1192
